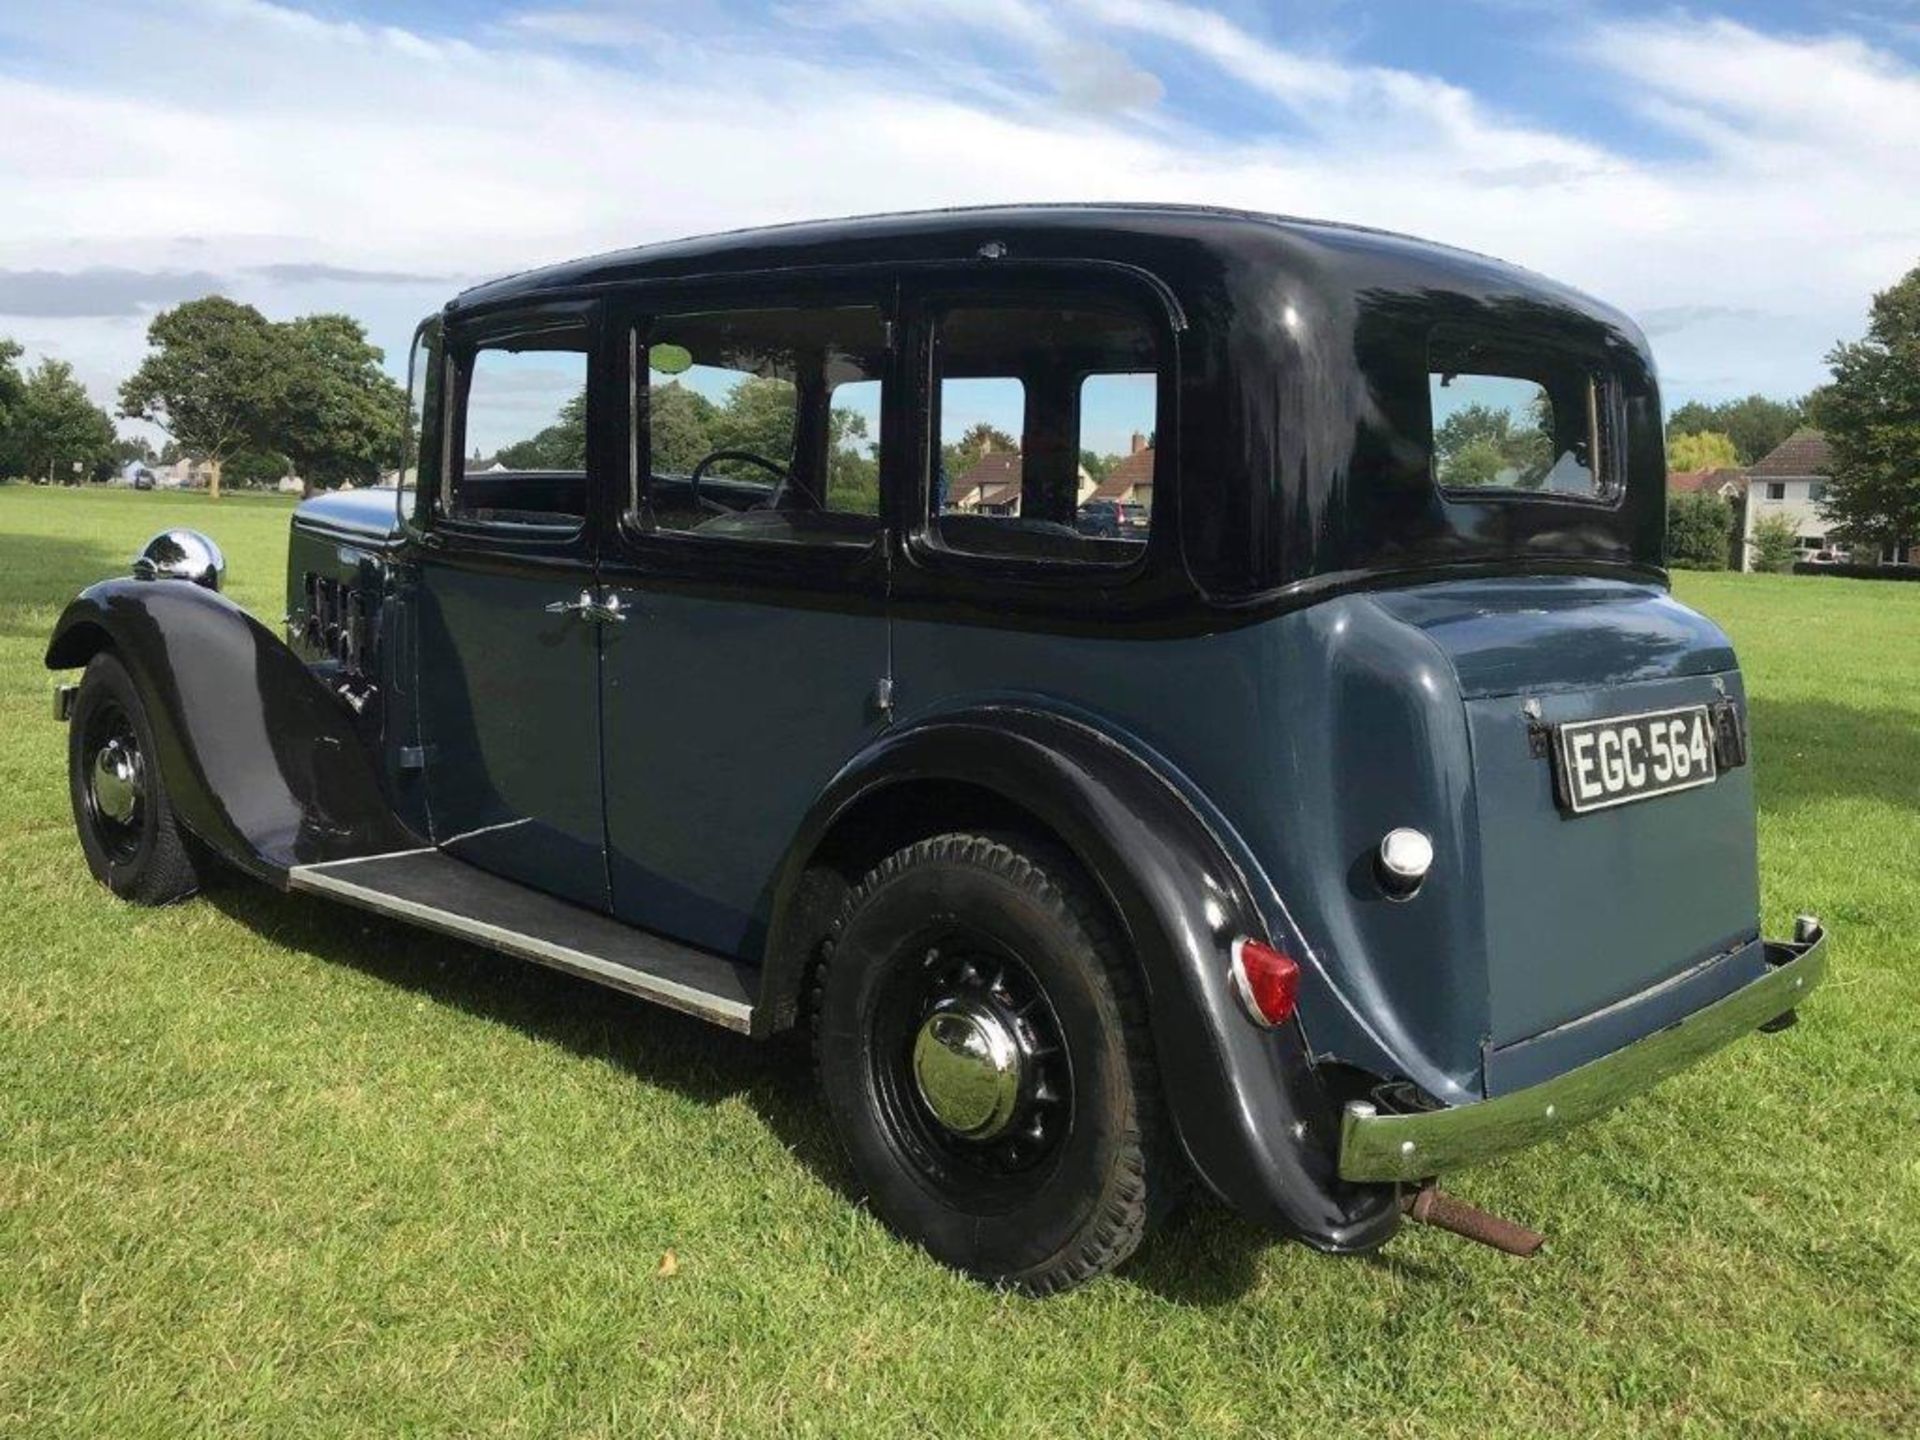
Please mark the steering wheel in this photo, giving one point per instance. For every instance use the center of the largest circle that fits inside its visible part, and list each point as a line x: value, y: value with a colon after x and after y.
x: 780, y: 473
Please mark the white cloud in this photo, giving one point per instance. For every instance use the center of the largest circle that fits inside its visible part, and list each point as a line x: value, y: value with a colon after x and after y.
x: 284, y: 151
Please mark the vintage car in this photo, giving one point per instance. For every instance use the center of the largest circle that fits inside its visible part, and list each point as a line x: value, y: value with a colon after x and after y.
x: 1375, y: 811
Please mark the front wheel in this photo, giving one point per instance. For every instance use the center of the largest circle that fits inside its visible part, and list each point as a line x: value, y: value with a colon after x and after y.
x: 984, y: 1053
x: 133, y: 843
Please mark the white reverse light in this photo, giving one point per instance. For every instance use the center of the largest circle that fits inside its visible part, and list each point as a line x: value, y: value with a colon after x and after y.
x: 1405, y: 857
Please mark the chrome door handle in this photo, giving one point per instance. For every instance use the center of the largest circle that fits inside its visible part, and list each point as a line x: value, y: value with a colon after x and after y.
x: 585, y: 605
x: 589, y: 607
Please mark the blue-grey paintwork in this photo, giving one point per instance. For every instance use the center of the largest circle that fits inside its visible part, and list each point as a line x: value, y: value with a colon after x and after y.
x: 1312, y: 734
x: 1304, y: 738
x: 724, y: 722
x: 509, y: 708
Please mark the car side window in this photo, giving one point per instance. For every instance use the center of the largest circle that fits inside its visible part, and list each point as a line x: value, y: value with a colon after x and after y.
x: 522, y: 425
x: 1046, y: 418
x: 760, y: 425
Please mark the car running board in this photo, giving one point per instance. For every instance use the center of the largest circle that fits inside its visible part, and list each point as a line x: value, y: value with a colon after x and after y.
x: 431, y: 889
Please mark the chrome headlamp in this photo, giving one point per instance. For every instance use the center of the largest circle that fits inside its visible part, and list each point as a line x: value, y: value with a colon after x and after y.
x: 181, y: 555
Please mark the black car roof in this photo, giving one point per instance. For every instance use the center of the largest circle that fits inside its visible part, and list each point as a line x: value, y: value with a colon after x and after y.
x: 1168, y: 239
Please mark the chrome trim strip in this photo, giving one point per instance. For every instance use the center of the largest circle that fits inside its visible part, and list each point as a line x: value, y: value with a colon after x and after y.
x: 318, y: 879
x: 1375, y: 1146
x: 332, y: 865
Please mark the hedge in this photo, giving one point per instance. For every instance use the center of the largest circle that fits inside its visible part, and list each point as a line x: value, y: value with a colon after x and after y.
x: 1859, y: 572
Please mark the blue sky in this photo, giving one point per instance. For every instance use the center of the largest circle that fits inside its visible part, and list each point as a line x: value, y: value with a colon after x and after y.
x: 1740, y: 178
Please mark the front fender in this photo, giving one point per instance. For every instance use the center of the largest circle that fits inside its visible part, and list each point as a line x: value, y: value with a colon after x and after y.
x: 1248, y: 1108
x: 260, y: 760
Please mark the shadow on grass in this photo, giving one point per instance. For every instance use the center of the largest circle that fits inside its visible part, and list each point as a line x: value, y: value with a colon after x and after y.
x: 1806, y: 751
x: 37, y: 571
x: 1202, y: 1255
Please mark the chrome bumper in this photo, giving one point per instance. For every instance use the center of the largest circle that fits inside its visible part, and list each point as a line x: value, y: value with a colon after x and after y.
x: 1375, y: 1146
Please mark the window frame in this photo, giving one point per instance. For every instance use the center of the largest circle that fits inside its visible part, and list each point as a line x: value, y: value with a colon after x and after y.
x: 427, y: 352
x: 931, y: 293
x: 1606, y: 409
x: 462, y: 341
x: 697, y: 554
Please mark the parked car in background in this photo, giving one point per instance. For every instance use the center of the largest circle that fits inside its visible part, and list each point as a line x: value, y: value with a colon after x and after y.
x: 1364, y: 811
x: 1112, y: 519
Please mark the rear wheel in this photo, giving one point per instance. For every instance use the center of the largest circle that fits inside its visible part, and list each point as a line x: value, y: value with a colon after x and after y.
x: 133, y: 844
x: 983, y: 1050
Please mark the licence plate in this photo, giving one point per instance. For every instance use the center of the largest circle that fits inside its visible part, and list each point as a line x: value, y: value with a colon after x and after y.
x: 1601, y: 763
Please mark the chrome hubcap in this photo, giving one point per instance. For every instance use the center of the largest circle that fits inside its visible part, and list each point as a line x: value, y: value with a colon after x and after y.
x: 117, y: 781
x: 967, y: 1068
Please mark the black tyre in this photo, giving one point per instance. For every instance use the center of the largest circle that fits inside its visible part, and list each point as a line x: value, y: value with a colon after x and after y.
x: 984, y: 1053
x: 133, y: 844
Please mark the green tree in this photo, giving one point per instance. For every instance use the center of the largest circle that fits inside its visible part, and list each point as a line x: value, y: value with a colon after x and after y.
x: 132, y: 449
x: 853, y: 474
x: 213, y: 380
x: 10, y: 387
x: 1098, y: 467
x: 976, y: 440
x: 257, y: 467
x: 1481, y: 445
x: 336, y: 415
x: 560, y: 446
x: 681, y: 424
x: 1871, y: 416
x: 52, y: 424
x: 757, y: 416
x: 1754, y: 423
x: 1773, y: 543
x: 1699, y: 531
x: 1702, y: 450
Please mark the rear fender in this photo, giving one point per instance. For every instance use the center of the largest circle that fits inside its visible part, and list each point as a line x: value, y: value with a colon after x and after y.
x: 1249, y: 1110
x: 260, y: 759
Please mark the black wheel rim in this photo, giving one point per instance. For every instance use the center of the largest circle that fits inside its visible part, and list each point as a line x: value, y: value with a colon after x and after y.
x: 113, y: 781
x: 955, y: 967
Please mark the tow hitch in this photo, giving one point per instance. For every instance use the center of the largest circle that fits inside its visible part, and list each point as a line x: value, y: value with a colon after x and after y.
x: 1431, y: 1206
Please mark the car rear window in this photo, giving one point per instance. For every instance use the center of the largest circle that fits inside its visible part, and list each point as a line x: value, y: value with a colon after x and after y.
x: 1516, y: 420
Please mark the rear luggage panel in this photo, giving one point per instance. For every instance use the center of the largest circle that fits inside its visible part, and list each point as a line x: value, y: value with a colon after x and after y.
x: 1600, y: 927
x: 1586, y: 911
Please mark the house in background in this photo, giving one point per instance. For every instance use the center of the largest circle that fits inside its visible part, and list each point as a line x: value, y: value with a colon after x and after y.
x: 1130, y: 481
x: 1790, y: 480
x: 1729, y: 485
x: 991, y: 485
x: 183, y: 474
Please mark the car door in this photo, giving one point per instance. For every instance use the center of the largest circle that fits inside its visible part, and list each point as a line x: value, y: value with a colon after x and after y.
x: 507, y: 639
x: 755, y: 662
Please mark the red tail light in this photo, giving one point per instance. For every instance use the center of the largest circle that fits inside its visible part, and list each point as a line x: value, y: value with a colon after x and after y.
x: 1266, y: 980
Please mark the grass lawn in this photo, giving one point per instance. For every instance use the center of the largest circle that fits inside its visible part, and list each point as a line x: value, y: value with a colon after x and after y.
x: 270, y: 1167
